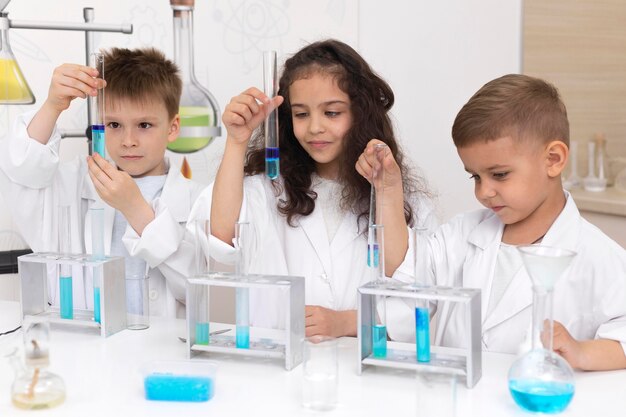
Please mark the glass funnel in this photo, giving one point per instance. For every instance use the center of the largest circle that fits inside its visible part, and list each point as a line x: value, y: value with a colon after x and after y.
x: 13, y: 86
x: 199, y: 111
x: 34, y: 386
x: 541, y: 380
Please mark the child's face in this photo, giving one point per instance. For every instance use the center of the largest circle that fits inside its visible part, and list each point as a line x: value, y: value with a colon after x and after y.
x: 321, y: 117
x: 137, y: 134
x: 510, y: 178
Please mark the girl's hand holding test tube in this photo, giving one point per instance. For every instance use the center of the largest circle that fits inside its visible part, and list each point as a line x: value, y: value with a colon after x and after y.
x: 368, y: 162
x: 246, y: 112
x: 119, y: 191
x: 396, y: 233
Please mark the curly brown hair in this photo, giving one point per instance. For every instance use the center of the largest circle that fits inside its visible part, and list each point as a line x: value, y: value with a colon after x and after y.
x: 371, y: 98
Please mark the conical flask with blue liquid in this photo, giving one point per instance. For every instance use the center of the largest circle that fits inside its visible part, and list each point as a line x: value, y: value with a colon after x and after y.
x: 542, y: 381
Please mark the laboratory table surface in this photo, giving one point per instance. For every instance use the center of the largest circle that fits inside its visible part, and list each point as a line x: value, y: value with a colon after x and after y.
x: 102, y: 378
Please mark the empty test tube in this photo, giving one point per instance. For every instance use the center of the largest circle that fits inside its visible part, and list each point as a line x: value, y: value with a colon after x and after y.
x: 242, y: 295
x: 270, y: 88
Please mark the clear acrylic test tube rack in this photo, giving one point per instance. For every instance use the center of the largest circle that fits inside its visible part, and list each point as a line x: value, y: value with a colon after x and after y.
x: 33, y: 271
x: 290, y: 348
x: 462, y: 362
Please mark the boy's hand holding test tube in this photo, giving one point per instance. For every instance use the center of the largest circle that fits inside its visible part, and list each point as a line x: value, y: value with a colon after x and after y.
x: 68, y: 82
x: 119, y: 191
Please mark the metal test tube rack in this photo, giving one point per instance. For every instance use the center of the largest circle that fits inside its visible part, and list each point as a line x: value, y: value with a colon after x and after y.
x: 33, y: 271
x: 463, y: 362
x: 290, y: 348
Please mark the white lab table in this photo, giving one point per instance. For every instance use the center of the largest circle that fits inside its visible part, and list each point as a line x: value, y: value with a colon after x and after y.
x: 102, y: 378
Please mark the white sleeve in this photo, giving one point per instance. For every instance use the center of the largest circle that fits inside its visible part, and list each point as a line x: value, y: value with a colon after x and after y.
x: 253, y: 210
x: 160, y: 239
x: 25, y: 161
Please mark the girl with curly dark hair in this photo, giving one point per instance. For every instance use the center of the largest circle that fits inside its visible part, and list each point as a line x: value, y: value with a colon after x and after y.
x: 312, y: 220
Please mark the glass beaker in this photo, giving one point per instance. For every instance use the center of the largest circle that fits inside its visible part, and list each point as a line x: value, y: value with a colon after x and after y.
x: 34, y: 386
x: 541, y: 380
x: 199, y: 111
x: 13, y: 86
x: 320, y: 370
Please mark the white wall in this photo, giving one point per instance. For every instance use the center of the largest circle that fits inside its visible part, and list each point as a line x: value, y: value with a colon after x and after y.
x: 433, y: 54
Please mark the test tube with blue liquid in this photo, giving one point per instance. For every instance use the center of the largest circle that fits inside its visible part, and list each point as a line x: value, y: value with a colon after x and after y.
x: 375, y: 250
x: 65, y: 270
x: 96, y: 108
x: 376, y: 201
x: 270, y: 88
x: 202, y: 267
x: 422, y: 311
x: 377, y: 271
x: 242, y: 295
x: 97, y: 254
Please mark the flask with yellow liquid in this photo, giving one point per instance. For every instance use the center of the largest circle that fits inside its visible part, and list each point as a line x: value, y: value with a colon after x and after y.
x: 13, y: 86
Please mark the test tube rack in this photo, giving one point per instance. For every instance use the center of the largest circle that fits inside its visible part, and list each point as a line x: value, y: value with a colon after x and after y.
x: 464, y: 362
x: 289, y: 349
x: 33, y: 272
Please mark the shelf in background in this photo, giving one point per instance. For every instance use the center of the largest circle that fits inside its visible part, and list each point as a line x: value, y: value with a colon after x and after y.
x: 609, y: 201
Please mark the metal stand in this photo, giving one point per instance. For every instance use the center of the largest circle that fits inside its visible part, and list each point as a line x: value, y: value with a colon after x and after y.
x: 88, y: 27
x: 463, y: 362
x: 33, y: 271
x: 290, y: 348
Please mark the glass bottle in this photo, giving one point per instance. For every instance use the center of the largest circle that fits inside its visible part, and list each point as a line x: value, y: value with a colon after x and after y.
x: 34, y: 386
x: 541, y: 380
x: 602, y: 159
x: 199, y: 111
x: 13, y: 86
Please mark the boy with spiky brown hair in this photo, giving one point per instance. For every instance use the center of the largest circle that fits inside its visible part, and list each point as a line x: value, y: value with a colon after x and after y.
x: 146, y: 199
x: 512, y: 137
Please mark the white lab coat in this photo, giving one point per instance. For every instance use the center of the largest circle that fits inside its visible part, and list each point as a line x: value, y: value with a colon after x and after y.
x: 35, y: 184
x: 332, y: 271
x: 589, y: 298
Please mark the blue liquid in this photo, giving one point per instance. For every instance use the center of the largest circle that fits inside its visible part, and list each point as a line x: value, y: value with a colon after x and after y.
x: 422, y: 334
x: 67, y: 300
x: 97, y: 138
x: 376, y: 257
x: 243, y: 337
x: 541, y: 396
x: 167, y: 387
x: 379, y: 337
x: 202, y: 333
x: 96, y: 304
x: 272, y: 163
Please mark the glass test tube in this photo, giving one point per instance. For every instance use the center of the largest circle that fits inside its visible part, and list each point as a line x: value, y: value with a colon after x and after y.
x: 97, y: 254
x: 96, y: 108
x: 422, y: 311
x: 270, y: 88
x: 376, y: 201
x: 201, y: 231
x: 377, y: 274
x: 242, y: 295
x: 65, y: 270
